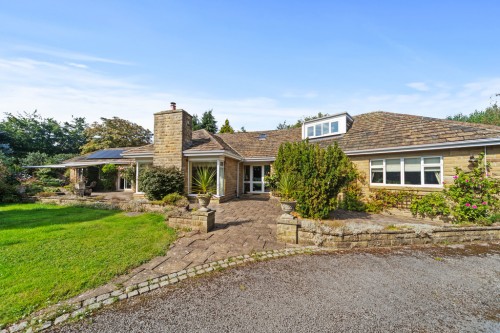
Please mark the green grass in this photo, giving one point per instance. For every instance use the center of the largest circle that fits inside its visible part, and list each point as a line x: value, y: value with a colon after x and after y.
x: 49, y: 253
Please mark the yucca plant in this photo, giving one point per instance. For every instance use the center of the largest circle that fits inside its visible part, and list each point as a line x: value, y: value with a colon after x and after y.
x: 204, y: 180
x: 287, y: 186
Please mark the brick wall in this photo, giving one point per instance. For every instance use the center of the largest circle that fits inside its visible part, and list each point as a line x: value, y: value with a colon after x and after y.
x: 230, y: 174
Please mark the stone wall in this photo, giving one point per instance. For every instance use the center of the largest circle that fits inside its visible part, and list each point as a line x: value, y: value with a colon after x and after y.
x: 313, y: 233
x: 202, y: 221
x: 172, y: 135
x: 451, y: 158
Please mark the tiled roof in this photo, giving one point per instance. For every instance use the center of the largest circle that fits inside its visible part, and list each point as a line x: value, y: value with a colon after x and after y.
x: 385, y: 129
x: 369, y: 131
x: 252, y: 145
x: 140, y: 150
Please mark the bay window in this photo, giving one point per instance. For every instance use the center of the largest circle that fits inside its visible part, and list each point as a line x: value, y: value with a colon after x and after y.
x: 413, y: 171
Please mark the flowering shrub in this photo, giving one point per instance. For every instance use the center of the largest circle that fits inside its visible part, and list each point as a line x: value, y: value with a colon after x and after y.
x: 474, y: 195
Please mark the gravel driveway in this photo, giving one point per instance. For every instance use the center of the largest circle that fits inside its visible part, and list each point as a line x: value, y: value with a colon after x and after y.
x: 451, y: 289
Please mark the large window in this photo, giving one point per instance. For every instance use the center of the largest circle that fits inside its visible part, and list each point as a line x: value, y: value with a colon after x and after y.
x: 414, y: 171
x: 216, y: 168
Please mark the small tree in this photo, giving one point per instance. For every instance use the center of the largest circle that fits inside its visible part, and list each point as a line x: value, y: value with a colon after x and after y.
x: 321, y: 173
x: 157, y: 182
x: 226, y: 128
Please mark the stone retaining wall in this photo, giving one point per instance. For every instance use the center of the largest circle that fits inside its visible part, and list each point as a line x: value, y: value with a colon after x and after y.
x: 202, y: 221
x: 307, y: 232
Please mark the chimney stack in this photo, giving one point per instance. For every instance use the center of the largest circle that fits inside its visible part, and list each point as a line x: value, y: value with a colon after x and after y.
x: 172, y: 104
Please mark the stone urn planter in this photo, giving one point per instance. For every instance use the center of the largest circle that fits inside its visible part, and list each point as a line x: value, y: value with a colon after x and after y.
x: 288, y: 206
x: 204, y: 201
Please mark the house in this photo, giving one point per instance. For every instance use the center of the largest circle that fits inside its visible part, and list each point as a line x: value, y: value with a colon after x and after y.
x: 393, y: 151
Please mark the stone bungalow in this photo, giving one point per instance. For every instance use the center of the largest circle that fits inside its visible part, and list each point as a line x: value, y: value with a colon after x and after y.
x: 394, y: 151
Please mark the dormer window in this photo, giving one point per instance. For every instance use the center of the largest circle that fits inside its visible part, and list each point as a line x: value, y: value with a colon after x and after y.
x: 327, y: 126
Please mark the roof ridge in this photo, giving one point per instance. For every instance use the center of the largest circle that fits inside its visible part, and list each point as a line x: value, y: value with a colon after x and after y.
x: 444, y: 120
x: 212, y: 138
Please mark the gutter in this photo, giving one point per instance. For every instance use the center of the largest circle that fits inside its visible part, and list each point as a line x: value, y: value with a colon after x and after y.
x: 433, y: 146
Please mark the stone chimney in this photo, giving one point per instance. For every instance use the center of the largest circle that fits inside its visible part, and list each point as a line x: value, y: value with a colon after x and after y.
x: 172, y: 134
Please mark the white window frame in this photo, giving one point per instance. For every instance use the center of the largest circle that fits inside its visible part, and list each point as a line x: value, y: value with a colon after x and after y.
x: 219, y: 164
x: 422, y: 174
x: 251, y: 181
x: 321, y: 128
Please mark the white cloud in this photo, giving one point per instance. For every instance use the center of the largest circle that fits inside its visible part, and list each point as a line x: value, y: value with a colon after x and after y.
x: 68, y: 55
x: 420, y: 86
x: 78, y: 65
x: 62, y: 90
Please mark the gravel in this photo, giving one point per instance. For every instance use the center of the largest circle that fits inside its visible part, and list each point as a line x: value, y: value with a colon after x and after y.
x: 440, y: 289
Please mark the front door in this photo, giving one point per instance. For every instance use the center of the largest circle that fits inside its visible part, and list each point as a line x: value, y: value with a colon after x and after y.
x: 254, y: 178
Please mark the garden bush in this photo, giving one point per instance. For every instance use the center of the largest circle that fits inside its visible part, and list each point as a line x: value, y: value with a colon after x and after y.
x: 109, y: 172
x: 474, y: 194
x: 430, y: 205
x: 320, y: 172
x: 381, y: 200
x: 175, y: 199
x: 157, y: 182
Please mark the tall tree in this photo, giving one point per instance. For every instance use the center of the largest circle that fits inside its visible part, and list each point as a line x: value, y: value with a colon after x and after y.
x: 27, y: 132
x: 208, y: 121
x: 490, y: 116
x: 226, y: 128
x: 115, y: 132
x: 196, y: 122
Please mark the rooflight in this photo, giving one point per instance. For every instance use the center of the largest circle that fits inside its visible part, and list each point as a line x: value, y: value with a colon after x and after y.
x: 262, y: 136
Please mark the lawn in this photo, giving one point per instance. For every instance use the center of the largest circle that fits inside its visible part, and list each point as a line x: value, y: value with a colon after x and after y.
x: 49, y: 253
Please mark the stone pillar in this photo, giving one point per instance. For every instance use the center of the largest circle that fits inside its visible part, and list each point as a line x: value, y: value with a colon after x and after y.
x: 203, y: 221
x: 287, y: 229
x: 172, y: 135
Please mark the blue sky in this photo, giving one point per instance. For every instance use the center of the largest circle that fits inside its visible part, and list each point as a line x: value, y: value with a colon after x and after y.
x: 255, y: 62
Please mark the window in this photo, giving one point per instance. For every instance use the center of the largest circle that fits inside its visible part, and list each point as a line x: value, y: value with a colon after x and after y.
x: 335, y: 126
x: 216, y: 168
x: 254, y: 178
x: 414, y: 171
x: 323, y: 128
x: 318, y: 130
x: 377, y: 173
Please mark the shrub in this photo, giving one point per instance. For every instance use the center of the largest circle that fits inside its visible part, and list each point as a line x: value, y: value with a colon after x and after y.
x: 175, y: 199
x: 157, y: 182
x: 321, y: 173
x: 474, y: 194
x: 288, y: 186
x: 109, y: 172
x: 8, y: 183
x: 430, y: 205
x: 353, y: 195
x: 381, y: 200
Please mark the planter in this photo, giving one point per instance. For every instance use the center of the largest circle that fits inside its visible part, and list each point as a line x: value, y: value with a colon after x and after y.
x: 204, y: 201
x: 288, y: 206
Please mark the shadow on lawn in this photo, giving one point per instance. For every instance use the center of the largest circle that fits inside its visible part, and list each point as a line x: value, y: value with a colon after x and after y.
x: 41, y: 217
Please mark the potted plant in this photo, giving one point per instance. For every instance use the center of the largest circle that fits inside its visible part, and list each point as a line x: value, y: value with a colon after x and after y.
x: 287, y: 187
x: 204, y: 182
